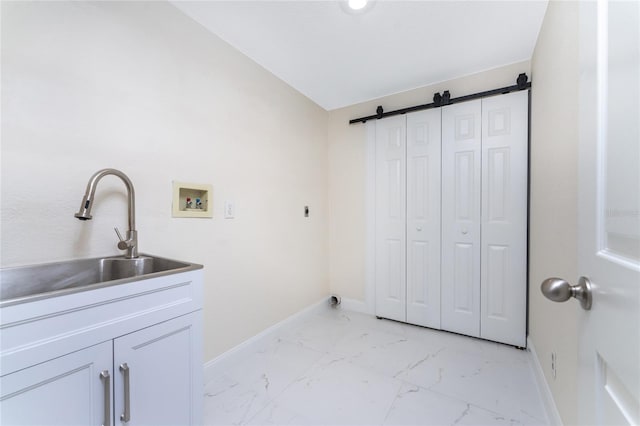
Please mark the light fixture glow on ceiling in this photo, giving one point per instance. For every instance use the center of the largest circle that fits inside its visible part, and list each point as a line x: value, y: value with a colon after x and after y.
x: 357, y: 4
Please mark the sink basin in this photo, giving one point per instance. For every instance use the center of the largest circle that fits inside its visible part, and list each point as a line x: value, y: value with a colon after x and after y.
x: 28, y: 283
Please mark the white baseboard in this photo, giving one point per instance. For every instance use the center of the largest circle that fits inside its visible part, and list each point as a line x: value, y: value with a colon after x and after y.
x: 553, y: 416
x: 355, y: 305
x: 210, y: 366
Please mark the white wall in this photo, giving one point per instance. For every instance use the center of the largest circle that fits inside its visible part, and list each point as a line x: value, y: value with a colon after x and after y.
x: 554, y: 196
x: 347, y: 171
x: 140, y: 87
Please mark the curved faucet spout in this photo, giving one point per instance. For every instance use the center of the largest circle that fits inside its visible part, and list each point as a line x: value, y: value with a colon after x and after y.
x: 84, y: 213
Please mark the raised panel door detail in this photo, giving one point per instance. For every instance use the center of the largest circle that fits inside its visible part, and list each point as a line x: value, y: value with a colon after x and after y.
x: 396, y: 189
x: 395, y: 277
x: 465, y: 127
x: 390, y: 222
x: 419, y: 253
x: 461, y: 204
x: 420, y: 190
x: 465, y: 190
x: 499, y: 122
x: 498, y: 184
x: 463, y: 278
x: 496, y: 283
x: 504, y: 218
x: 423, y: 218
x: 395, y: 137
x: 421, y: 132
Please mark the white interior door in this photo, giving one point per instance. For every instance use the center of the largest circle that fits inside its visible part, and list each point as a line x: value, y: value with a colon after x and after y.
x: 390, y: 214
x: 609, y: 212
x: 461, y: 164
x: 423, y: 218
x: 503, y: 284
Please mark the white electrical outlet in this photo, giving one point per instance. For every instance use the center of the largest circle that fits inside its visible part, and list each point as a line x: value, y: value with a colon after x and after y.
x: 554, y: 365
x: 229, y: 210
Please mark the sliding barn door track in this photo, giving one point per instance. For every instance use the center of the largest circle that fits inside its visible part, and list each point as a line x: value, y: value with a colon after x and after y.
x: 440, y: 100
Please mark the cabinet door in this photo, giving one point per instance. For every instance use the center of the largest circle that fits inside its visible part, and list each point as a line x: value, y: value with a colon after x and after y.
x: 164, y: 368
x: 390, y: 244
x: 423, y: 218
x: 64, y: 391
x: 461, y: 162
x: 504, y: 218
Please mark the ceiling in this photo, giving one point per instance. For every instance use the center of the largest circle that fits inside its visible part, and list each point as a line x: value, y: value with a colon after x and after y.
x: 339, y: 58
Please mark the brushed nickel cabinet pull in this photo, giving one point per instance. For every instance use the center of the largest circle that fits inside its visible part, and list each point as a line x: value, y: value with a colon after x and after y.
x: 126, y: 416
x: 106, y: 383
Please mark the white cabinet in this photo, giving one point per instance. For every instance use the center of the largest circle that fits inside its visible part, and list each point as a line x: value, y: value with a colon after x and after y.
x: 451, y: 218
x: 63, y: 391
x: 155, y: 382
x: 81, y: 359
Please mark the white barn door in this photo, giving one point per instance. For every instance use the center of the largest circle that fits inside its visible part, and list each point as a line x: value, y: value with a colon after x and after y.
x: 503, y: 283
x: 390, y: 213
x: 461, y: 166
x: 451, y: 218
x: 423, y: 218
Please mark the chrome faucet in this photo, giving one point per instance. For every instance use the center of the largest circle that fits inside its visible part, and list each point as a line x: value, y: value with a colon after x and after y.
x: 130, y: 244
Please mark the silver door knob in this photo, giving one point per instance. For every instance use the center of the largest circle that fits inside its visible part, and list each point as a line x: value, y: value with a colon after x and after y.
x: 559, y: 290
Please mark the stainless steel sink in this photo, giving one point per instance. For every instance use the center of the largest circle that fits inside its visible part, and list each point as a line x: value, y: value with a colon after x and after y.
x: 29, y: 283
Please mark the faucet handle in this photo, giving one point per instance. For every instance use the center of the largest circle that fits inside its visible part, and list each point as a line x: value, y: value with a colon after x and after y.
x: 122, y: 245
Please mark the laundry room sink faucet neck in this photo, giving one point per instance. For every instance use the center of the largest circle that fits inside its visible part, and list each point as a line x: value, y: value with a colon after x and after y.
x: 130, y: 242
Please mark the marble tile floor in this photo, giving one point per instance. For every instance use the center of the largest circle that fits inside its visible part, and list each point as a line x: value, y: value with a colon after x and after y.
x: 342, y: 368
